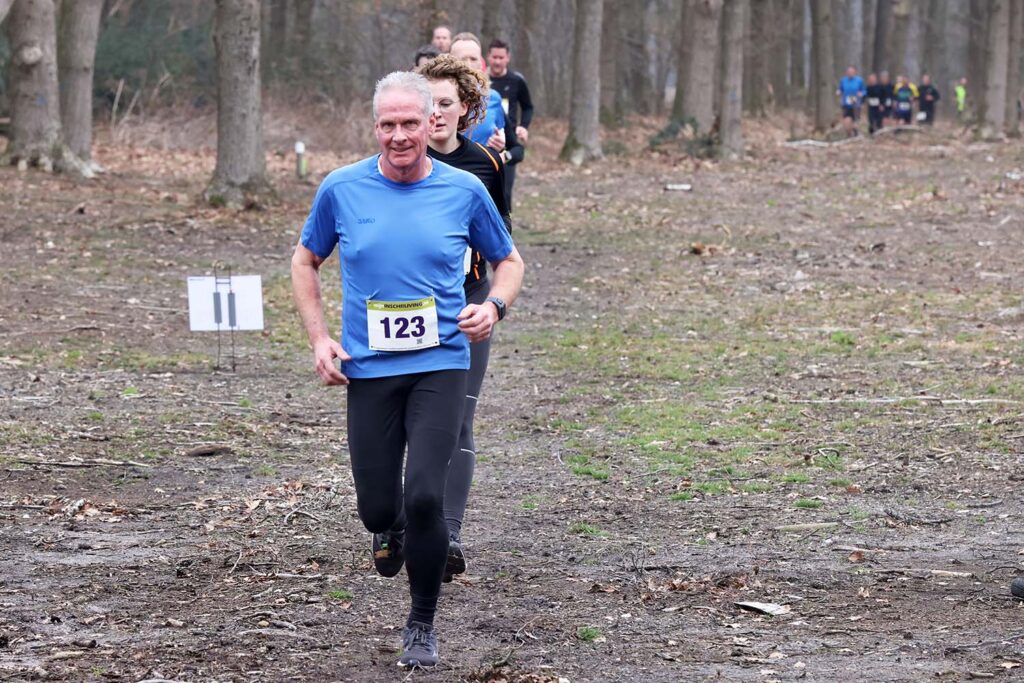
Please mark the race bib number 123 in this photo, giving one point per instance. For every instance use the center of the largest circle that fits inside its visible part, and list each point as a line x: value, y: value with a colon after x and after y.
x: 402, y: 325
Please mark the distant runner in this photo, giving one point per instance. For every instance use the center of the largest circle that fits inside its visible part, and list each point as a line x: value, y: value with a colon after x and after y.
x: 927, y: 97
x: 961, y: 99
x: 442, y: 39
x: 904, y: 94
x: 851, y: 92
x: 876, y: 95
x: 515, y: 99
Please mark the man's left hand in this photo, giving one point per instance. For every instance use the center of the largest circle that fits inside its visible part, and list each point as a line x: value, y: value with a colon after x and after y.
x: 523, y: 134
x: 477, y: 321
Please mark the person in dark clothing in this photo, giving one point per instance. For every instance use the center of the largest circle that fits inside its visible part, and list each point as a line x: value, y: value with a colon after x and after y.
x: 876, y: 94
x: 458, y: 89
x: 887, y: 92
x: 515, y: 98
x: 425, y: 54
x: 928, y: 95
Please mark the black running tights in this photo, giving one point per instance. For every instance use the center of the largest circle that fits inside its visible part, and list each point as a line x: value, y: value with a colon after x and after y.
x: 422, y: 411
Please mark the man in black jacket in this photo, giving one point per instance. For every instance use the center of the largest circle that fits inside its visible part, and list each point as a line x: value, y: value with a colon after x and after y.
x: 928, y: 95
x: 876, y: 95
x: 515, y: 98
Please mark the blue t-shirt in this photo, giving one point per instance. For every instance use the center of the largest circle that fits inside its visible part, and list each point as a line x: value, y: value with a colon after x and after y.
x: 495, y: 117
x: 403, y: 242
x: 851, y: 89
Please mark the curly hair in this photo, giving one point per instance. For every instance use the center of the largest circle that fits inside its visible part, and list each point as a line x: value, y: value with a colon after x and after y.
x: 470, y: 84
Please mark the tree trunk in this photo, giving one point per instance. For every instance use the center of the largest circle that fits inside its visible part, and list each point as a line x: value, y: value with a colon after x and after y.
x: 977, y: 47
x: 823, y: 87
x: 302, y: 37
x: 867, y: 53
x: 5, y: 7
x: 76, y: 53
x: 883, y: 18
x: 1011, y: 124
x: 35, y: 136
x: 699, y: 78
x: 526, y: 57
x: 755, y: 58
x: 240, y: 172
x: 899, y: 36
x: 731, y: 79
x: 933, y: 55
x: 278, y: 40
x: 778, y: 63
x: 684, y: 50
x: 997, y: 57
x: 584, y: 140
x: 797, y: 29
x: 612, y: 62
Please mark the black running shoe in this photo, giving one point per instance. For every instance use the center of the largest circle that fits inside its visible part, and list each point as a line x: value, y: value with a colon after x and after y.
x: 456, y: 563
x: 419, y: 646
x: 388, y: 557
x: 1017, y: 587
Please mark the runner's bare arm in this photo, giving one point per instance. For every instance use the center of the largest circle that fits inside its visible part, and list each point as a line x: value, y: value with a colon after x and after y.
x: 306, y: 290
x: 477, y: 321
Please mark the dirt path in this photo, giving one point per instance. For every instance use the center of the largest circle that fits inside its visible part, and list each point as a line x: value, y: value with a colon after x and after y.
x: 824, y: 410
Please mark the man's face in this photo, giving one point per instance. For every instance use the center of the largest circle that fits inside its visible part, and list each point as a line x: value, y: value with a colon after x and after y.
x: 442, y: 39
x: 926, y: 80
x: 402, y: 129
x: 469, y: 52
x: 872, y: 80
x: 851, y: 72
x: 497, y: 61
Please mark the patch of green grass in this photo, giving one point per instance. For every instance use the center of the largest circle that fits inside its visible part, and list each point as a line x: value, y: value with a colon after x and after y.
x: 808, y: 503
x: 795, y: 478
x: 94, y: 415
x: 244, y: 403
x: 130, y: 391
x: 756, y: 487
x: 682, y: 496
x: 530, y: 502
x: 264, y: 470
x: 711, y: 487
x: 588, y: 634
x: 840, y: 483
x: 340, y: 594
x: 842, y: 339
x: 586, y: 529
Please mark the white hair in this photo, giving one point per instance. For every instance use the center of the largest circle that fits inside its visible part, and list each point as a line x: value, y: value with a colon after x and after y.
x: 408, y: 81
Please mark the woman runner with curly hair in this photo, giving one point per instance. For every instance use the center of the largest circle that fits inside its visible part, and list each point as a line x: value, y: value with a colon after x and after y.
x: 459, y: 102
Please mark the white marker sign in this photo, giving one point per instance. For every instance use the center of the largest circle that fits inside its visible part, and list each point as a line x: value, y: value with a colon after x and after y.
x: 225, y: 303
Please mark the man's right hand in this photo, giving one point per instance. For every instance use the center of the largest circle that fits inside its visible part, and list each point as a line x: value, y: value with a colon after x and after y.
x: 523, y: 134
x: 324, y: 353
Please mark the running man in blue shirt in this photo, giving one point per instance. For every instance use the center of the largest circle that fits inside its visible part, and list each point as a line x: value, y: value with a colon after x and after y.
x: 851, y: 92
x: 402, y: 223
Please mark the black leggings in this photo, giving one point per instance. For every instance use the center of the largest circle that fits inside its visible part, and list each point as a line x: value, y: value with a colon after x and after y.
x: 460, y: 473
x: 422, y: 411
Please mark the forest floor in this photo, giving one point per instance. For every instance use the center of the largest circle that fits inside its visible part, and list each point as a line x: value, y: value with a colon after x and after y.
x: 822, y: 409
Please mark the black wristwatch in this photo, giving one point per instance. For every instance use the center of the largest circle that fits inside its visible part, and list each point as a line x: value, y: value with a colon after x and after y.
x: 499, y: 304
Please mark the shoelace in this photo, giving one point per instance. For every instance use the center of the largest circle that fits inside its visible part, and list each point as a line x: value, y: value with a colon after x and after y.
x: 419, y: 636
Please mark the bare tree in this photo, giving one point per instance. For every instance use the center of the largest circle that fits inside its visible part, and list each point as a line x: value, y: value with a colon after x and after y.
x: 899, y: 35
x: 240, y: 174
x: 5, y: 7
x: 584, y: 140
x: 35, y: 137
x: 755, y: 57
x: 883, y: 20
x: 778, y: 59
x: 797, y: 64
x: 699, y: 78
x: 731, y: 98
x: 993, y: 117
x: 824, y: 72
x: 79, y: 29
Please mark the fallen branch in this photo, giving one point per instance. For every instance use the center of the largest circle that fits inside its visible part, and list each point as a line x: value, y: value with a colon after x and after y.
x: 913, y: 519
x: 811, y: 526
x: 900, y: 399
x: 986, y: 643
x: 98, y: 462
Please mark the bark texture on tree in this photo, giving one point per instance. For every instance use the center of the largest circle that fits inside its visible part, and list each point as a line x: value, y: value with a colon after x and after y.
x: 823, y: 87
x: 899, y: 37
x: 731, y: 80
x: 797, y: 63
x: 778, y: 62
x: 5, y: 7
x: 755, y: 57
x: 883, y: 20
x: 699, y: 77
x: 684, y: 49
x: 977, y: 50
x: 997, y: 56
x: 79, y: 29
x: 240, y: 174
x: 868, y: 30
x: 1011, y: 124
x: 32, y: 79
x: 933, y: 55
x: 583, y: 142
x: 525, y: 54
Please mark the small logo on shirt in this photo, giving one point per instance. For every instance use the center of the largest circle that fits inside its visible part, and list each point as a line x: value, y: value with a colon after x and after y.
x: 365, y: 221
